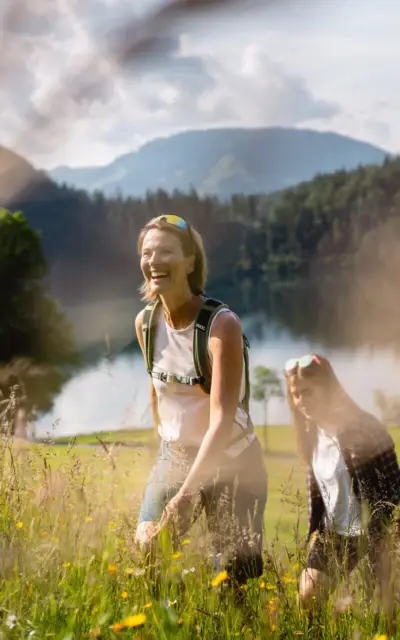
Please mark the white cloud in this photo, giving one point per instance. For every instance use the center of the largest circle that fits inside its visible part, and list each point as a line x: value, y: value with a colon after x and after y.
x: 262, y: 91
x: 316, y: 68
x: 347, y: 55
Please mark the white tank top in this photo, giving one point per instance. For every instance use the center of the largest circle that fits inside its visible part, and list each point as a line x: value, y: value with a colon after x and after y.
x: 343, y: 508
x: 184, y: 410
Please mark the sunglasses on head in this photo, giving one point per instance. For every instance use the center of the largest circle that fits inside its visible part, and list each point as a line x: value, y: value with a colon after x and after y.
x: 302, y: 363
x: 171, y: 218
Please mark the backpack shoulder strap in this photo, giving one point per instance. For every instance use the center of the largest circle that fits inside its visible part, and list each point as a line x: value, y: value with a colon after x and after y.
x: 201, y: 335
x: 148, y: 332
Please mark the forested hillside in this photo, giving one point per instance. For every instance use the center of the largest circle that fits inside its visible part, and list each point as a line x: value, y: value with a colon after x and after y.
x: 336, y: 236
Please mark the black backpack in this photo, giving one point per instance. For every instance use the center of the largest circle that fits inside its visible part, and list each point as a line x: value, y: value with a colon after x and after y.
x: 201, y: 333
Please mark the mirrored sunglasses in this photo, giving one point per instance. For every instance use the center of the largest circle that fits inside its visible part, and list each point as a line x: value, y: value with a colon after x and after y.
x: 171, y: 218
x: 302, y: 363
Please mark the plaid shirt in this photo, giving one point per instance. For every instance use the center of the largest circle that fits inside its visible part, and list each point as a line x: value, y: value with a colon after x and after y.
x: 371, y: 460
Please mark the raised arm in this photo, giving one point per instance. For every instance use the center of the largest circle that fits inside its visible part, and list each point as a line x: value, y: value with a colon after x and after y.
x: 153, y: 395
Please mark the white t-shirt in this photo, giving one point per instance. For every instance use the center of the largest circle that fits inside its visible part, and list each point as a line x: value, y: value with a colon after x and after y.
x: 343, y: 508
x: 184, y: 410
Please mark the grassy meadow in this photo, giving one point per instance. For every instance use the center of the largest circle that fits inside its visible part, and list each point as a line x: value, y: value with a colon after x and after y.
x: 69, y: 568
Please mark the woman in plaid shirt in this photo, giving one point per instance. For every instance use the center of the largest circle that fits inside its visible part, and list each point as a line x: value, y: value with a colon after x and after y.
x: 351, y: 463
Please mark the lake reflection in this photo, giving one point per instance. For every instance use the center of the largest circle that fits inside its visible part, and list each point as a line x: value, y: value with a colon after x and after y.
x: 115, y: 395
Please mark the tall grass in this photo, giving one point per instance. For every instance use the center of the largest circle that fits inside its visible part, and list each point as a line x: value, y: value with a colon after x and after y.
x: 69, y: 568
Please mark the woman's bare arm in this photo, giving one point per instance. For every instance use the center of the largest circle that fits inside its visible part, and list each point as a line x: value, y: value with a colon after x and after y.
x: 226, y: 346
x: 153, y: 395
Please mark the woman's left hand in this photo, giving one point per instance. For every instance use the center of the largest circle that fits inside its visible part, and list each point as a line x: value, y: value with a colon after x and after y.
x: 178, y: 511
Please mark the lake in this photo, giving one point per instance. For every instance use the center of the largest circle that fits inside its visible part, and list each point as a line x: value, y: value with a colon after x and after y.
x: 114, y: 395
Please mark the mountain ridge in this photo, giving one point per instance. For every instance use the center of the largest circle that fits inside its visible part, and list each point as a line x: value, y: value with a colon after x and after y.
x: 224, y: 161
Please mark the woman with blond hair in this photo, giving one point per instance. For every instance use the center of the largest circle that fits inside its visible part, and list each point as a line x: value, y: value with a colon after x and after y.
x: 196, y: 356
x: 351, y: 464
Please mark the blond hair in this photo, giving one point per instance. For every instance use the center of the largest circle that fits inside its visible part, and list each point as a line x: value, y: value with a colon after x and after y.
x: 192, y: 245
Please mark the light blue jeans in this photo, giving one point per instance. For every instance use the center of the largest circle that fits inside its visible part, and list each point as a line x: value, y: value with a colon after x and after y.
x: 234, y: 503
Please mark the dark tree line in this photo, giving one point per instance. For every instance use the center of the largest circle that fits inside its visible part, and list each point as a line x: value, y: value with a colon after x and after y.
x: 315, y: 227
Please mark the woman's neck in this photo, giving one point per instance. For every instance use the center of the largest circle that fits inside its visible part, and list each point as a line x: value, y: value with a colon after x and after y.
x: 179, y: 313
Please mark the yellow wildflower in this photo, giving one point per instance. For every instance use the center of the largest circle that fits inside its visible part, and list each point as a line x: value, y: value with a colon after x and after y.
x: 289, y: 580
x: 381, y: 636
x: 66, y: 564
x: 19, y: 525
x: 124, y: 595
x: 134, y: 621
x: 272, y: 604
x: 221, y: 577
x: 185, y: 541
x: 129, y: 571
x: 117, y: 626
x: 176, y: 555
x: 148, y: 605
x: 112, y: 569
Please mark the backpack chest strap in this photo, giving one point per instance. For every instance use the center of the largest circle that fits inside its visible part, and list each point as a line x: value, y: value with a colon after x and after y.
x: 172, y: 377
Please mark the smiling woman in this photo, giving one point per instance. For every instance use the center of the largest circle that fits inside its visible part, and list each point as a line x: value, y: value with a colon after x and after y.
x: 168, y: 247
x: 196, y: 355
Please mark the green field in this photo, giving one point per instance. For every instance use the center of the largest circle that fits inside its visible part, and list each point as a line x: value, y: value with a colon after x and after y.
x: 286, y: 508
x: 285, y: 474
x: 280, y: 437
x: 69, y: 568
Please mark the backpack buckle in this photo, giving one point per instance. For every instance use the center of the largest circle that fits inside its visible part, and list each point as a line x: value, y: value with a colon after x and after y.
x: 166, y: 377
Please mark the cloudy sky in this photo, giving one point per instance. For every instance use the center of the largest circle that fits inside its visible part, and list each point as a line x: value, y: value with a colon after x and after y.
x: 75, y: 90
